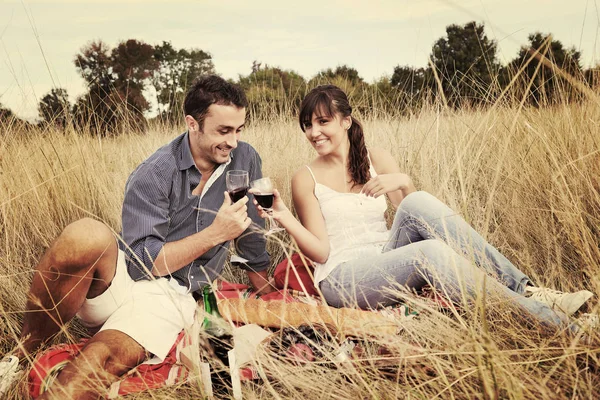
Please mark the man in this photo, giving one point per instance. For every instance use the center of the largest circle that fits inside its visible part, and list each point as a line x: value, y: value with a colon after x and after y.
x: 178, y: 222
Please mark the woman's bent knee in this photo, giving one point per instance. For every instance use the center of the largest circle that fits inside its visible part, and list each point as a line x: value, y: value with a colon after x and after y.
x: 416, y: 200
x: 435, y: 252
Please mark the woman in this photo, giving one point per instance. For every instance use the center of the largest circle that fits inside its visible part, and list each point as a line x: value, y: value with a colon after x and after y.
x: 339, y: 199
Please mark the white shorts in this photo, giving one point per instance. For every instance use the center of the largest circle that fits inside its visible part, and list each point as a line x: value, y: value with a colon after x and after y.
x: 152, y: 312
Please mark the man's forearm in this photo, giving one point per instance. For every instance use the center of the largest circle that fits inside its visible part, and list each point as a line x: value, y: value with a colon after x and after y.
x: 176, y: 255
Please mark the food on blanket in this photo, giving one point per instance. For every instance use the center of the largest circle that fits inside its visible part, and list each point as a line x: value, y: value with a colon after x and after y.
x: 301, y: 352
x: 344, y: 353
x: 278, y: 314
x: 303, y: 344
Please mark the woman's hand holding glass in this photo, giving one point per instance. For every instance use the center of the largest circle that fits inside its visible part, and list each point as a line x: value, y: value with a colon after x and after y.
x: 268, y: 202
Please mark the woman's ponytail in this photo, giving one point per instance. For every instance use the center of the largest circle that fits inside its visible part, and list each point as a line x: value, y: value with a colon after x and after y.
x: 358, y: 158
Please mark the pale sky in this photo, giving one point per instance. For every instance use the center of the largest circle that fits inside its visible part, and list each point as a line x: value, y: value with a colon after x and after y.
x: 39, y: 39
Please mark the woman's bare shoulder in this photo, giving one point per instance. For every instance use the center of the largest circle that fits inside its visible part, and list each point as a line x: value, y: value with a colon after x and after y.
x: 382, y: 160
x: 302, y: 177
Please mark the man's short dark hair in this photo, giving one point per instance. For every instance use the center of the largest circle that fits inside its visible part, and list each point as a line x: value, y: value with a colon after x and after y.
x: 211, y: 89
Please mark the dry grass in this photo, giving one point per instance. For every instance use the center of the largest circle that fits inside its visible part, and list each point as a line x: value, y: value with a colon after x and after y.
x: 528, y: 180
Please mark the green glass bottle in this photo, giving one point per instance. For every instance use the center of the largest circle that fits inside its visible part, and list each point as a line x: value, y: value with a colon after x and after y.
x: 213, y: 323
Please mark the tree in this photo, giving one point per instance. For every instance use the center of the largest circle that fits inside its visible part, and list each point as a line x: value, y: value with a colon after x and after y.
x: 54, y: 108
x: 10, y: 123
x: 96, y: 111
x: 176, y: 71
x: 412, y: 86
x: 341, y: 71
x: 543, y: 79
x: 466, y: 64
x: 116, y: 81
x: 273, y: 90
x: 94, y: 65
x: 133, y: 63
x: 408, y: 79
x: 592, y: 76
x: 256, y: 65
x: 349, y: 80
x: 5, y: 114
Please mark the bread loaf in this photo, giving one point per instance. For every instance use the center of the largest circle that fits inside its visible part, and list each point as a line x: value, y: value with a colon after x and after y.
x: 279, y: 314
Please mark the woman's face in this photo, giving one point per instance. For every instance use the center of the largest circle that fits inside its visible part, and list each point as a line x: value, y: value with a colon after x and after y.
x: 326, y: 134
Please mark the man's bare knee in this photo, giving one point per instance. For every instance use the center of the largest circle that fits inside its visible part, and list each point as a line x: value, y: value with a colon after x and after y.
x: 81, y: 245
x: 105, y: 360
x: 116, y: 351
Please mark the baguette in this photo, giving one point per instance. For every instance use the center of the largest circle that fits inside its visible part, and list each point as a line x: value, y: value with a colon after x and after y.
x: 279, y: 314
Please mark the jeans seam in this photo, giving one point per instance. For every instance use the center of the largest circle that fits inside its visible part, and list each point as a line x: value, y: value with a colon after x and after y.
x: 411, y: 218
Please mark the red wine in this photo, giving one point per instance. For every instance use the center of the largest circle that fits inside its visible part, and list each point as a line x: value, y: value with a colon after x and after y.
x: 237, y: 194
x: 265, y: 200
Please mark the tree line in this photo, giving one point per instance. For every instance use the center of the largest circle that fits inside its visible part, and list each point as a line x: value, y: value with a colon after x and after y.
x: 463, y: 71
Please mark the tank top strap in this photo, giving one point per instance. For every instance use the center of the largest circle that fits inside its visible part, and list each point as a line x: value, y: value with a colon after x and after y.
x: 311, y: 174
x: 371, y: 168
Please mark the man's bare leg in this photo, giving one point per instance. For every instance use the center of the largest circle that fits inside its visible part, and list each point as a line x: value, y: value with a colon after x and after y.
x: 80, y: 263
x: 105, y: 357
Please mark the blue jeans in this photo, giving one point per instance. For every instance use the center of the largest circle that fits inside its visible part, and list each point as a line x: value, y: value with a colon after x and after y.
x: 431, y: 244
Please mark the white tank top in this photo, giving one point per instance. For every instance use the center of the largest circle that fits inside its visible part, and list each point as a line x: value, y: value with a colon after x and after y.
x: 355, y: 225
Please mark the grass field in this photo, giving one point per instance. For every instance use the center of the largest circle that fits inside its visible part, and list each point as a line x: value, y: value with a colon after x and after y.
x: 528, y: 180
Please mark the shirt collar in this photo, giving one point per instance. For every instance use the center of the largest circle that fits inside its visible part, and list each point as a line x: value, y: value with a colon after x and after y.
x: 186, y: 161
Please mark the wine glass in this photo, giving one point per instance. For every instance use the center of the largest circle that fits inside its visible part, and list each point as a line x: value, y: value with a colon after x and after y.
x: 262, y: 189
x: 237, y: 184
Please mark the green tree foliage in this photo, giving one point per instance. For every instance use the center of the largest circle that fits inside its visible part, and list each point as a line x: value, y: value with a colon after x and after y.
x: 464, y: 70
x: 341, y: 72
x: 412, y: 86
x: 5, y: 114
x: 97, y: 110
x: 54, y: 108
x: 94, y: 65
x: 409, y: 79
x: 116, y: 81
x: 348, y: 79
x: 273, y: 90
x: 175, y: 72
x: 9, y: 122
x: 133, y: 63
x: 384, y: 98
x: 592, y: 77
x: 466, y: 64
x: 540, y: 82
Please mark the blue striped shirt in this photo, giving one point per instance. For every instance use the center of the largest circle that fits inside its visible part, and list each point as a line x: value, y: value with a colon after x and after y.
x: 159, y: 207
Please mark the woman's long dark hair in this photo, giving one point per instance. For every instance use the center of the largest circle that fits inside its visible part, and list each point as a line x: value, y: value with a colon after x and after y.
x: 328, y: 100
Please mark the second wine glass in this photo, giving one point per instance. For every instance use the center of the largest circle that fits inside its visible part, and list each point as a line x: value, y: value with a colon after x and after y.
x: 262, y: 189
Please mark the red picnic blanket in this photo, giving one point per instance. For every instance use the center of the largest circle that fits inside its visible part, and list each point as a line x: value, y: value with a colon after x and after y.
x: 293, y: 277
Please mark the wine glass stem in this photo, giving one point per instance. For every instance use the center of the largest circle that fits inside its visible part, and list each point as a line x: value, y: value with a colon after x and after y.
x: 272, y: 222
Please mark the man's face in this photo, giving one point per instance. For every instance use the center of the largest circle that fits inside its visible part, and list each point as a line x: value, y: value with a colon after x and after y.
x: 214, y: 142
